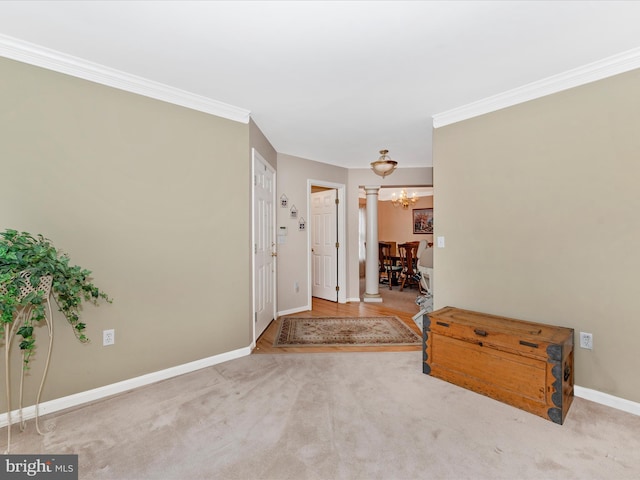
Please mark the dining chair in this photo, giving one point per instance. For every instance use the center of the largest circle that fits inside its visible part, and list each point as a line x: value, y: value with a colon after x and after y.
x: 389, y: 269
x: 408, y: 259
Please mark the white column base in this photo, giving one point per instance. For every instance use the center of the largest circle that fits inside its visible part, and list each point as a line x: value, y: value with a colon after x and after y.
x: 372, y: 298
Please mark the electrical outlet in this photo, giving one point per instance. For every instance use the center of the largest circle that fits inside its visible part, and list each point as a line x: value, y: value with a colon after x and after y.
x: 108, y: 337
x: 296, y: 287
x: 586, y: 340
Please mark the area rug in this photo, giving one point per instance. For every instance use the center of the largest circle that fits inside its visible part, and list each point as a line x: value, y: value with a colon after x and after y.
x: 353, y: 331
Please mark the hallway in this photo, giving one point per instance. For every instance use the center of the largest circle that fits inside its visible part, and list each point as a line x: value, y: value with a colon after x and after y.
x: 404, y: 308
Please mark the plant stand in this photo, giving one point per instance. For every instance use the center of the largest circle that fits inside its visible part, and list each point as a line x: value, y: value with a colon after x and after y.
x: 11, y: 331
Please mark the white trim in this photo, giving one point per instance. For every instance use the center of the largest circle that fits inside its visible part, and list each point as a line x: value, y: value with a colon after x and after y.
x: 108, y: 390
x: 294, y: 310
x: 614, y: 65
x: 123, y: 386
x: 372, y: 300
x: 606, y: 399
x: 342, y: 256
x: 255, y: 156
x: 354, y: 299
x: 39, y: 56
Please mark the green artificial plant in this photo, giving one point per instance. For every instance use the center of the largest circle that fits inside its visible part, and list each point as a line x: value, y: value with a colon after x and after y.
x: 27, y: 258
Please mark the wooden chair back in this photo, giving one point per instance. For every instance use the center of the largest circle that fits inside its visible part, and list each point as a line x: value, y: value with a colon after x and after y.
x: 388, y: 268
x: 408, y: 259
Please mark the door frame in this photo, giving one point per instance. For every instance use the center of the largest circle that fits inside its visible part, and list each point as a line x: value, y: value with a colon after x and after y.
x: 341, y: 228
x: 255, y: 155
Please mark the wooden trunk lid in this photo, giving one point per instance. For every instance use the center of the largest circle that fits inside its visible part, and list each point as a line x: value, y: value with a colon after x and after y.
x: 516, y: 336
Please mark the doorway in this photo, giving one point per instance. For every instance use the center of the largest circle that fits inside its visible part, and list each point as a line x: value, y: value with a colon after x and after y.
x: 396, y: 227
x: 264, y: 253
x: 326, y: 244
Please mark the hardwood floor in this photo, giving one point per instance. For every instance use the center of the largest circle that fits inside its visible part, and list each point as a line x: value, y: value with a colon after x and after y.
x: 324, y: 308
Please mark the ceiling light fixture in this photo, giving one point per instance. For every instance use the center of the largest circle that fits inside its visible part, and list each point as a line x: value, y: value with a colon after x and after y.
x: 384, y: 165
x: 404, y: 200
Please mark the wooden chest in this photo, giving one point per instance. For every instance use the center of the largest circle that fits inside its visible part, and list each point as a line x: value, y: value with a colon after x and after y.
x: 527, y: 365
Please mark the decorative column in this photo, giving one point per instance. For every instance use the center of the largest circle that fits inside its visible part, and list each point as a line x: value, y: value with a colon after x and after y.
x: 372, y: 292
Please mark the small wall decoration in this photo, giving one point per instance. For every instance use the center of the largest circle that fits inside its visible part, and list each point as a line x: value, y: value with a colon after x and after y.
x: 294, y: 211
x: 423, y: 220
x: 301, y: 224
x: 284, y: 201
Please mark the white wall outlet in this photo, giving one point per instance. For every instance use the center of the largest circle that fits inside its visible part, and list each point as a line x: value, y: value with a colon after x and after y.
x: 296, y: 287
x: 586, y: 340
x: 108, y: 337
x: 440, y: 242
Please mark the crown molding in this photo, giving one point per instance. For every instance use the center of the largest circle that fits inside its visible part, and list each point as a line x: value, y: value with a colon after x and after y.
x: 39, y: 56
x: 608, y: 67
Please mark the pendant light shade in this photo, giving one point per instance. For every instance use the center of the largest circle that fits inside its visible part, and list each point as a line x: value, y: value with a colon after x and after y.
x: 384, y: 165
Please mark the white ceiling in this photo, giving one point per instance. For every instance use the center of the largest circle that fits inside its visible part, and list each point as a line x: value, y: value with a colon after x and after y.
x: 335, y: 81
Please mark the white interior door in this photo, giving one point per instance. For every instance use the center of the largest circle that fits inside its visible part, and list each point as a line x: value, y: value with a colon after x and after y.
x: 264, y: 194
x: 324, y: 251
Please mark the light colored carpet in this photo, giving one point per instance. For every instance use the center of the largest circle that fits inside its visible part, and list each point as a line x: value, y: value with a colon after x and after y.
x: 332, y: 416
x: 362, y: 331
x: 404, y: 301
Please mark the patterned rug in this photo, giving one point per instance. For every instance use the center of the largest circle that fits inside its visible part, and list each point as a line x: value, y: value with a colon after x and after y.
x: 360, y: 331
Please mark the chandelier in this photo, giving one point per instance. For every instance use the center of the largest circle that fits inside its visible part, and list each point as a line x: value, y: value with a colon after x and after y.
x: 404, y: 200
x: 384, y: 165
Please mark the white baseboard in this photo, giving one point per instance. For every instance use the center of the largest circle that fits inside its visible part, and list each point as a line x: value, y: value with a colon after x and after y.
x: 294, y: 310
x: 108, y: 390
x: 354, y: 300
x: 119, y: 387
x: 606, y: 399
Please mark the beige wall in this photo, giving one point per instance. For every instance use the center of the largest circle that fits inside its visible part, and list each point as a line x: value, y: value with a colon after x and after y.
x: 395, y: 224
x: 258, y: 141
x: 293, y: 266
x: 136, y: 190
x: 539, y: 207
